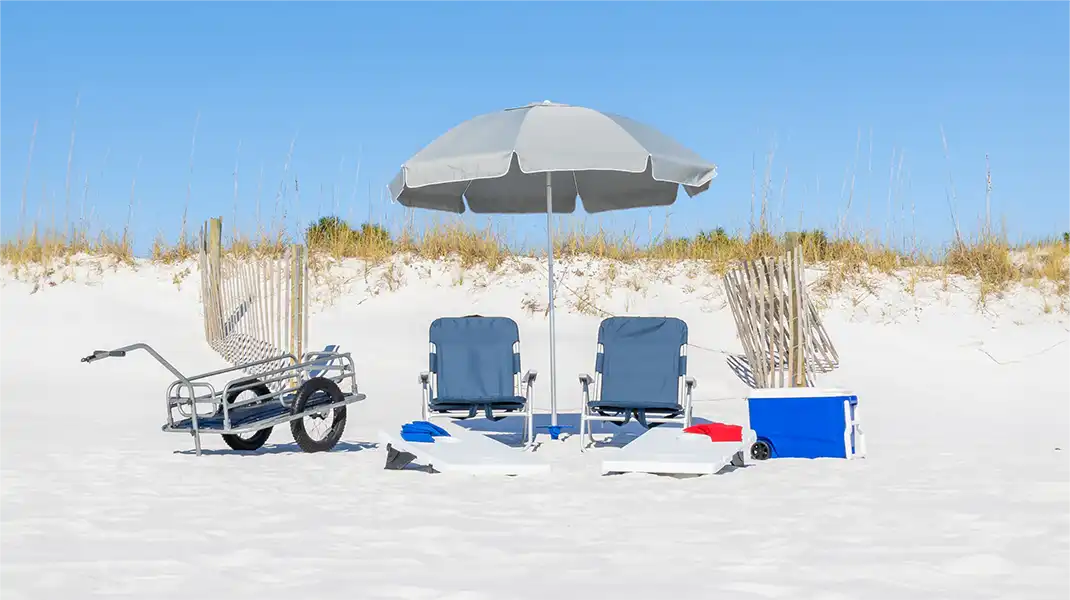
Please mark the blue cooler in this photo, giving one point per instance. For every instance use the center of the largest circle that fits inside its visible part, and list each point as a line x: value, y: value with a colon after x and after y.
x: 805, y: 422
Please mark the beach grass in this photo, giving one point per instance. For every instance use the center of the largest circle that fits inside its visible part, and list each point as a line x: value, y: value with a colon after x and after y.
x: 989, y: 259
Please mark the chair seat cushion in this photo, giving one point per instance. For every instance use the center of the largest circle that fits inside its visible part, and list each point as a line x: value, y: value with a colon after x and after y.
x: 620, y: 410
x: 500, y: 403
x: 660, y: 408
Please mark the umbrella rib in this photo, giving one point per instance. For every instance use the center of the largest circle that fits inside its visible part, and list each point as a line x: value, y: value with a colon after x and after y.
x: 466, y: 186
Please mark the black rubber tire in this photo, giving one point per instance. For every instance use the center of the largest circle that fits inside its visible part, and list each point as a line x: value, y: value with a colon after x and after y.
x: 297, y: 426
x: 248, y: 444
x: 761, y: 450
x: 256, y: 440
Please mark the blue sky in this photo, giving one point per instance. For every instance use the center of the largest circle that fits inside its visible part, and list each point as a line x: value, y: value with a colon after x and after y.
x: 831, y: 89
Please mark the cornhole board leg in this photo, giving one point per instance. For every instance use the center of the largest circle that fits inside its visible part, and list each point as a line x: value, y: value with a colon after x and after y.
x: 463, y: 451
x: 666, y: 449
x: 397, y: 460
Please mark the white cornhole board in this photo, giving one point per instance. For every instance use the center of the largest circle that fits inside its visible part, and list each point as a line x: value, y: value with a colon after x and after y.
x: 666, y: 449
x: 467, y: 451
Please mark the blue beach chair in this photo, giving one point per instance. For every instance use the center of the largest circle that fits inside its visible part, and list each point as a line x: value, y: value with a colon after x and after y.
x: 474, y: 367
x: 640, y: 372
x: 323, y: 360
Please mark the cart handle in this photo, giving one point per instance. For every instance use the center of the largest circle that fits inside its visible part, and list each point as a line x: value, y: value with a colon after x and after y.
x: 119, y: 352
x: 99, y: 354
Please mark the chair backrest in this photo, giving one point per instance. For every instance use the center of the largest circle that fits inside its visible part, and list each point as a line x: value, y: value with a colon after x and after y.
x: 640, y: 360
x: 322, y: 361
x: 474, y: 357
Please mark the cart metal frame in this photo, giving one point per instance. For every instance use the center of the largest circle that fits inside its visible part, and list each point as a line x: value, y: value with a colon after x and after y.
x: 335, y: 367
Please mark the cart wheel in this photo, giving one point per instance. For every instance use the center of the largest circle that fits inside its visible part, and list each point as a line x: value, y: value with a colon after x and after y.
x: 761, y: 450
x: 247, y: 441
x: 256, y: 439
x: 326, y: 429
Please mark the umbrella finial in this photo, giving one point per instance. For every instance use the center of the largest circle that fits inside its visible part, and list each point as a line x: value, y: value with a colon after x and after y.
x: 536, y: 104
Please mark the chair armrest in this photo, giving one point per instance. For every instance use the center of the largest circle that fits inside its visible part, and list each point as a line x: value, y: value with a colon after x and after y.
x: 425, y: 378
x: 529, y: 377
x: 586, y: 381
x: 691, y: 383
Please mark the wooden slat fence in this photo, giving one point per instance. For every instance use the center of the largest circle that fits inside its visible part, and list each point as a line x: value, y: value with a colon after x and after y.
x: 781, y: 332
x: 255, y: 307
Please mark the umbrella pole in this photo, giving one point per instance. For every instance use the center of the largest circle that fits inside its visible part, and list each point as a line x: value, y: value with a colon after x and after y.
x: 550, y: 288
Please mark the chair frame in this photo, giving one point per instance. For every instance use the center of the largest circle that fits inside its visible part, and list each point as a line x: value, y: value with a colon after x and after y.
x: 685, y: 388
x: 523, y: 386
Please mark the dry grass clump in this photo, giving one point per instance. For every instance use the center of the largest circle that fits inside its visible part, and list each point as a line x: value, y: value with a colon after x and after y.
x: 334, y: 237
x: 47, y: 246
x: 577, y: 241
x: 988, y: 259
x: 1047, y: 261
x: 1055, y: 266
x: 472, y: 246
x: 185, y: 249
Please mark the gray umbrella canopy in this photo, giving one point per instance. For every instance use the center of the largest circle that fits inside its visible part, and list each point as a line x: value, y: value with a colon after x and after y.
x: 538, y: 159
x: 496, y: 162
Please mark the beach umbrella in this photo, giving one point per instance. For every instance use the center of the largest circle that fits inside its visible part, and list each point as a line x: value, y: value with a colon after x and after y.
x: 537, y: 159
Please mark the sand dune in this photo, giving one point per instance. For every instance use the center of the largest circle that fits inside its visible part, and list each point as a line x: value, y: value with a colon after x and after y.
x: 964, y: 494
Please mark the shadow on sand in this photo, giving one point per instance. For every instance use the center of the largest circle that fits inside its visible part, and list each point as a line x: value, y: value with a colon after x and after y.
x: 290, y: 448
x: 739, y: 365
x: 509, y: 430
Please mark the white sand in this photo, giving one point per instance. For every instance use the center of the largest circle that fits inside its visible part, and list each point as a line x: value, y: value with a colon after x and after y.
x: 965, y: 493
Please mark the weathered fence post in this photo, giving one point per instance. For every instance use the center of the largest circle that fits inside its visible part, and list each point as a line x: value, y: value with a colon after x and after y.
x: 795, y: 282
x: 215, y: 247
x: 213, y: 265
x: 297, y: 304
